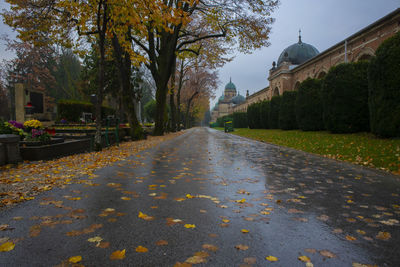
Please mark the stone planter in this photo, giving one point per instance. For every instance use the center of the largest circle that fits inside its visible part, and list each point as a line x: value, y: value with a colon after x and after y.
x: 52, y: 141
x: 9, y: 149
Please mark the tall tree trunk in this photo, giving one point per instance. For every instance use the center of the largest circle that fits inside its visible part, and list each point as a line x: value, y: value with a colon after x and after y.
x: 101, y: 73
x: 189, y: 103
x: 178, y: 95
x: 172, y: 100
x: 124, y: 65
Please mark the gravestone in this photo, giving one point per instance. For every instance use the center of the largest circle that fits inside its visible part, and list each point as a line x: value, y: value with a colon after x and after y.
x: 11, y: 148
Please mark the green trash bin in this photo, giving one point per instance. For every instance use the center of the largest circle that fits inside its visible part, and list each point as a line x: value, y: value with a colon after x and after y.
x: 228, y: 126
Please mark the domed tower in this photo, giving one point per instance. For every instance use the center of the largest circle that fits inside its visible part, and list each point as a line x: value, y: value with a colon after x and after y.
x: 297, y: 53
x: 230, y: 91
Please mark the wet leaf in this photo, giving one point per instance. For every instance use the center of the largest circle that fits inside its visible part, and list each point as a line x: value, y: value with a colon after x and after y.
x: 125, y: 198
x: 103, y: 244
x: 350, y: 238
x: 75, y: 259
x: 226, y: 220
x: 196, y: 260
x: 327, y: 253
x: 304, y: 258
x: 185, y: 264
x: 210, y: 247
x: 141, y: 249
x: 271, y: 258
x: 241, y: 200
x: 241, y: 247
x: 162, y: 243
x: 245, y: 231
x: 189, y: 196
x: 310, y: 250
x: 118, y: 255
x: 250, y: 260
x: 145, y: 216
x: 189, y: 226
x: 383, y: 236
x: 7, y: 246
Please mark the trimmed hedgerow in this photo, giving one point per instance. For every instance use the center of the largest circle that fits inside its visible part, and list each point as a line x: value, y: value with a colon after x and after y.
x: 273, y: 115
x: 345, y: 98
x: 264, y: 110
x: 221, y: 120
x: 287, y: 115
x: 309, y: 106
x: 253, y: 116
x: 384, y: 89
x: 72, y: 110
x: 240, y: 120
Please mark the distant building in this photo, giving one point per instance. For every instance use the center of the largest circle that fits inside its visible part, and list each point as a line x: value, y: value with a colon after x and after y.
x: 227, y: 102
x: 300, y: 60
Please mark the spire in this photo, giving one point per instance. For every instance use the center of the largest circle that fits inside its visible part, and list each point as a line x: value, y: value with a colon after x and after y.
x: 300, y: 36
x: 230, y: 79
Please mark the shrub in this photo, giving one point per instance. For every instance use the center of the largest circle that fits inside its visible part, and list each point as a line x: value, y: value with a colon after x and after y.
x: 273, y: 115
x: 221, y: 120
x: 213, y: 124
x: 287, y: 115
x: 252, y: 116
x: 71, y: 110
x: 345, y: 98
x: 309, y: 106
x: 264, y: 111
x: 384, y: 91
x: 150, y: 110
x: 240, y: 120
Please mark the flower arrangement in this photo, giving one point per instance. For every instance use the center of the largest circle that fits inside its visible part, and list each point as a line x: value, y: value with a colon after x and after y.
x: 33, y: 124
x: 12, y: 127
x: 38, y: 135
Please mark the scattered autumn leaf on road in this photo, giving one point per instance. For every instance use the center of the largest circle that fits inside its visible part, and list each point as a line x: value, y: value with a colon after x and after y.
x: 75, y: 259
x: 304, y: 258
x: 145, y: 216
x: 250, y: 260
x: 241, y: 200
x: 103, y: 244
x: 162, y: 243
x: 210, y: 247
x: 118, y: 255
x: 141, y: 249
x: 245, y: 231
x: 327, y: 253
x: 271, y: 258
x: 189, y: 226
x: 241, y: 247
x: 185, y: 264
x: 7, y: 246
x: 350, y: 238
x: 189, y: 196
x: 383, y: 236
x: 196, y: 260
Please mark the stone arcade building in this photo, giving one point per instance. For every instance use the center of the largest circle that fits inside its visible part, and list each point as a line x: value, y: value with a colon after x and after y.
x: 301, y: 60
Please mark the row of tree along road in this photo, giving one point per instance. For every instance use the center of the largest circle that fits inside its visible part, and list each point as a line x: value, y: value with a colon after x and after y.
x: 353, y: 97
x: 152, y: 33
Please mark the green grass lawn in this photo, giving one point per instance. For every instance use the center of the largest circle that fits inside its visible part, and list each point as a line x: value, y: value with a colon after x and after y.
x: 360, y: 148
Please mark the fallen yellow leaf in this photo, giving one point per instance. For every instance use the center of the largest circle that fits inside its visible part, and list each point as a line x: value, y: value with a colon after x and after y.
x: 190, y: 226
x: 271, y: 258
x: 245, y: 231
x: 7, y: 246
x: 304, y: 258
x: 241, y: 201
x: 189, y: 196
x: 117, y: 255
x: 141, y: 249
x: 75, y: 259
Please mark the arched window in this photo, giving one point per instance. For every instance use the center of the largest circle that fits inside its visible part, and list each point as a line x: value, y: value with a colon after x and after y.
x: 276, y: 91
x: 296, y: 86
x: 321, y: 75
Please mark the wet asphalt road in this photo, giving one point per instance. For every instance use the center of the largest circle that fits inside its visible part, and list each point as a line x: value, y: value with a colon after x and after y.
x: 292, y: 203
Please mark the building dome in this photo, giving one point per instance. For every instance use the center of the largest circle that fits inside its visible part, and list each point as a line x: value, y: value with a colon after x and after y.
x: 230, y: 86
x: 221, y: 98
x: 239, y: 99
x: 297, y: 53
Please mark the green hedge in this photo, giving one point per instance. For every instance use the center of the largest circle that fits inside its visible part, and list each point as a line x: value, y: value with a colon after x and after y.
x: 253, y: 116
x: 264, y: 111
x: 72, y: 110
x: 287, y: 115
x: 384, y: 89
x: 221, y: 120
x: 345, y: 98
x: 273, y: 116
x: 309, y: 106
x: 240, y: 120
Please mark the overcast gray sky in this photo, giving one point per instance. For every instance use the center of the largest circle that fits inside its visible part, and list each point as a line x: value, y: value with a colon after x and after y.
x: 323, y: 23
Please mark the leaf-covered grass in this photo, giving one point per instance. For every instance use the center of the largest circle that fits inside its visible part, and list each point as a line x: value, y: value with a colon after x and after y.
x: 360, y: 148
